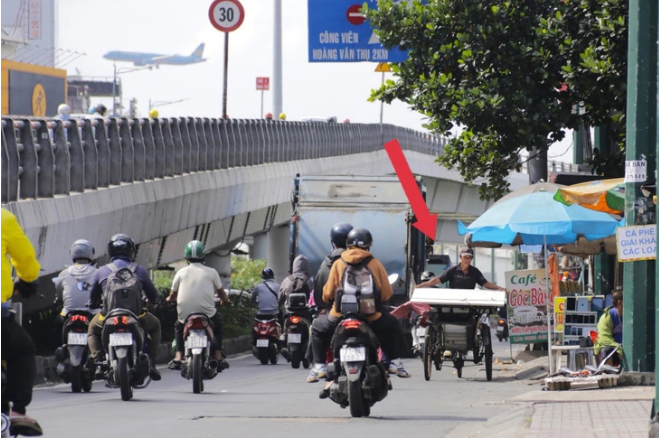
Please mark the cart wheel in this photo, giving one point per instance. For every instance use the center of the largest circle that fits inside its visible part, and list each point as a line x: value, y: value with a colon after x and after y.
x: 487, y: 342
x: 428, y: 353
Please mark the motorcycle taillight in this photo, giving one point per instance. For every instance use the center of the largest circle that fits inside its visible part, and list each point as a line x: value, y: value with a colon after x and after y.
x: 501, y: 321
x: 197, y: 323
x: 79, y: 318
x: 351, y: 324
x: 295, y: 319
x: 121, y: 320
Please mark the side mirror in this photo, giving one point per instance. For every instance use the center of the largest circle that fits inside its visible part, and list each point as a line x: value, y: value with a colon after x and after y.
x: 393, y: 278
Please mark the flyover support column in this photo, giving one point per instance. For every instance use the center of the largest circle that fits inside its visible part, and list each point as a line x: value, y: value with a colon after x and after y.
x: 221, y: 263
x: 259, y: 249
x: 278, y: 249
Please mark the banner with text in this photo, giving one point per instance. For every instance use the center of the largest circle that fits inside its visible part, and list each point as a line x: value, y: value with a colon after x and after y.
x: 636, y: 243
x: 527, y: 292
x: 339, y: 32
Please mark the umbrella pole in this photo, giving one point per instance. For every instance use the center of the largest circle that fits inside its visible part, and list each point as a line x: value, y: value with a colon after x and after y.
x: 549, y: 314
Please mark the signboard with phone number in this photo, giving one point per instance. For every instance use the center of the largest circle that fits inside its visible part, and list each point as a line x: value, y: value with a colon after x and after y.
x: 527, y: 294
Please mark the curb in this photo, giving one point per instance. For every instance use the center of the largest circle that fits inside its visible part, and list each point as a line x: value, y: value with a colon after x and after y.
x: 46, y: 365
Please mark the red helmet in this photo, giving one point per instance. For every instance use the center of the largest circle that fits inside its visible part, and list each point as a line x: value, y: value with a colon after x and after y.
x: 268, y: 116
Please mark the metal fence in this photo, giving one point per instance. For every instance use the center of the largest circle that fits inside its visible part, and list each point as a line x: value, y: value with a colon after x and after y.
x: 44, y: 158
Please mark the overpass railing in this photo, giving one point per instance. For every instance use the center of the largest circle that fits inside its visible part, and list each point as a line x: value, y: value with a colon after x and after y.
x: 44, y: 158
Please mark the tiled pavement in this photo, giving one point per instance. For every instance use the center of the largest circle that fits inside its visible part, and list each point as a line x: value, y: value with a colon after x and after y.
x: 590, y: 419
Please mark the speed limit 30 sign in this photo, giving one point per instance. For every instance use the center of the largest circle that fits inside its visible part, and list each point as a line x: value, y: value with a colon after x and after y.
x: 226, y: 15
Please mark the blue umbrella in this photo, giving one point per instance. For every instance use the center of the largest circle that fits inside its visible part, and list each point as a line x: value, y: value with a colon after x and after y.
x: 533, y: 217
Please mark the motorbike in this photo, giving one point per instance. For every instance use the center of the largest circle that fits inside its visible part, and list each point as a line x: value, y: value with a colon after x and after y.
x: 199, y: 365
x: 296, y: 330
x: 73, y: 354
x: 123, y: 340
x: 502, y: 329
x: 359, y: 379
x: 265, y: 338
x: 419, y: 335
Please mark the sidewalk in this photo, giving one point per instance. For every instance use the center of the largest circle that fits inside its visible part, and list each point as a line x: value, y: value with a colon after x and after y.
x: 615, y: 412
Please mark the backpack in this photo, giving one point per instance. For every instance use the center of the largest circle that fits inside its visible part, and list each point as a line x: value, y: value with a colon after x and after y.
x: 123, y: 289
x: 357, y: 292
x: 297, y: 293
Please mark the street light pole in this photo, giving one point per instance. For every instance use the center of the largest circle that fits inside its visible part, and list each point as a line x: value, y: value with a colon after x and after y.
x: 114, y: 90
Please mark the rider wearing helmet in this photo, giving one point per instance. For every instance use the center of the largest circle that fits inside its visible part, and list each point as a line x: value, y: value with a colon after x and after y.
x: 100, y: 110
x: 121, y: 250
x: 426, y: 276
x: 73, y: 285
x: 266, y: 296
x: 268, y: 116
x: 153, y: 113
x: 63, y: 112
x: 385, y: 326
x: 282, y: 116
x: 194, y: 289
x: 338, y: 236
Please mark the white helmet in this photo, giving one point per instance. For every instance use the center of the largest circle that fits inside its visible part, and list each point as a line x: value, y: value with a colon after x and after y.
x: 63, y: 109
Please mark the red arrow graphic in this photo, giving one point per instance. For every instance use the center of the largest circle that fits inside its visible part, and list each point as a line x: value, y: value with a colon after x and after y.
x: 426, y: 222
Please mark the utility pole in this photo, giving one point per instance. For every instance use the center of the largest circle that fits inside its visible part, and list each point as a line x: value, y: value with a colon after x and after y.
x: 277, y: 99
x: 639, y: 310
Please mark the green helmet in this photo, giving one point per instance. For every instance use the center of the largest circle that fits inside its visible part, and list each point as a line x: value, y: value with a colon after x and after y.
x: 194, y: 250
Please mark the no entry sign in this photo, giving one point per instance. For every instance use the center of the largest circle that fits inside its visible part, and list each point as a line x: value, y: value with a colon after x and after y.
x: 226, y: 15
x: 354, y: 15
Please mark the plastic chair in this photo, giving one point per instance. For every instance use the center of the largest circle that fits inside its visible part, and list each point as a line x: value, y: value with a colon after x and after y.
x: 593, y: 336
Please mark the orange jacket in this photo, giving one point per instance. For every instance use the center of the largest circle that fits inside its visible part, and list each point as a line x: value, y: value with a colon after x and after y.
x: 354, y: 256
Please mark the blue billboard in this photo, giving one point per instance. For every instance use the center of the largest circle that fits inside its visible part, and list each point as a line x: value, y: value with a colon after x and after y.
x: 339, y: 32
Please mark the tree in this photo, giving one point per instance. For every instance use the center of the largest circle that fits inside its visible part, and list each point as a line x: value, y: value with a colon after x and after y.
x: 509, y: 72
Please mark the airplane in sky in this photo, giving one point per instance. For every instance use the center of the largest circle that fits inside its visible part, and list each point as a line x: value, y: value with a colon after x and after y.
x: 155, y: 59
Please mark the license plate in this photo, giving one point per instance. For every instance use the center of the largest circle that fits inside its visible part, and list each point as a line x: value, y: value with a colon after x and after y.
x: 295, y: 338
x: 194, y: 341
x: 77, y: 338
x: 262, y: 343
x: 121, y: 339
x: 353, y: 354
x: 500, y: 328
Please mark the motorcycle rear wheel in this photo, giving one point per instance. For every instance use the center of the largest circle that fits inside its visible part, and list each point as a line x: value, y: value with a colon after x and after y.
x: 76, y: 379
x: 356, y: 400
x: 296, y: 358
x: 305, y: 363
x: 197, y: 374
x: 121, y: 374
x: 263, y: 356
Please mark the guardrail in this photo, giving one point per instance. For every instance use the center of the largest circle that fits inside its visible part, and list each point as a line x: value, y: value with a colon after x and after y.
x: 44, y: 158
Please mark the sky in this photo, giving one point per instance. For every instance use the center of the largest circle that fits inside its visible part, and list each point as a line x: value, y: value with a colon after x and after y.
x: 177, y: 27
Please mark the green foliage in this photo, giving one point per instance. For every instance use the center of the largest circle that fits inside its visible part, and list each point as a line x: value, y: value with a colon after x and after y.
x: 245, y: 273
x: 497, y: 68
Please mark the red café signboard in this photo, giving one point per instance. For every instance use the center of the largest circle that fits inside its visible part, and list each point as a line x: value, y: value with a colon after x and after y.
x: 528, y: 291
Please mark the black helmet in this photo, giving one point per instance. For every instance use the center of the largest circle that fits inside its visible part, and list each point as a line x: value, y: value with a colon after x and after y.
x: 101, y: 109
x: 359, y: 237
x: 426, y: 276
x: 121, y: 245
x: 267, y: 273
x: 339, y: 233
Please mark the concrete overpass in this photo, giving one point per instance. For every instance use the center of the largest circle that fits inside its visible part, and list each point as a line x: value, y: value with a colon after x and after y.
x: 168, y: 181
